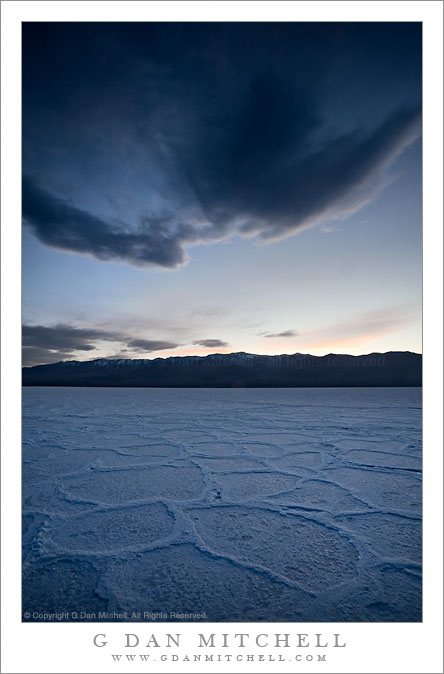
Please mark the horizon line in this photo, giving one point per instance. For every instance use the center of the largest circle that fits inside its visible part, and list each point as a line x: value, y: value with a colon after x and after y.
x: 232, y: 353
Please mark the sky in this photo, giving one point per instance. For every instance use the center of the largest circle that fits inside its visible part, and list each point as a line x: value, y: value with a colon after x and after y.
x: 196, y: 188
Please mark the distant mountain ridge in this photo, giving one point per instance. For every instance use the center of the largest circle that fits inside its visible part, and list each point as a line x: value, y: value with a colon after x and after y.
x: 394, y: 368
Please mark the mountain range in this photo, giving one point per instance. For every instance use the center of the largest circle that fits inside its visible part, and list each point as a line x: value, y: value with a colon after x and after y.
x: 394, y: 368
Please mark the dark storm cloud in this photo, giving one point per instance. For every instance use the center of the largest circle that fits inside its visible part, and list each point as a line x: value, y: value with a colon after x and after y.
x: 50, y: 344
x: 210, y: 343
x: 151, y: 345
x: 286, y: 333
x: 60, y: 225
x: 234, y: 120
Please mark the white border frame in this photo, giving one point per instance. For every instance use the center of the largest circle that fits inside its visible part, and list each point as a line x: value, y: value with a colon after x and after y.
x: 379, y: 647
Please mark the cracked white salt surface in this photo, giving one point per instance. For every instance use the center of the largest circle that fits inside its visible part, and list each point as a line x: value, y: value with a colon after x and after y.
x: 241, y: 505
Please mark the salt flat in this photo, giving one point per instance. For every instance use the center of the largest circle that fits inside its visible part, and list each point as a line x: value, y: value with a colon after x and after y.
x: 234, y: 504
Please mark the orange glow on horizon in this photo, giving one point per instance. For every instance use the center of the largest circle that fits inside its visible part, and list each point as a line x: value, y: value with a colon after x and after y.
x: 371, y: 335
x: 357, y: 345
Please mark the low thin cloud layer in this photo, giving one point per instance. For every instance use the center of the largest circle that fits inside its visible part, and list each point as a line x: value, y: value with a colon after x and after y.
x: 150, y: 345
x: 213, y: 149
x: 33, y: 355
x: 210, y: 343
x: 285, y: 333
x: 51, y: 344
x: 65, y: 338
